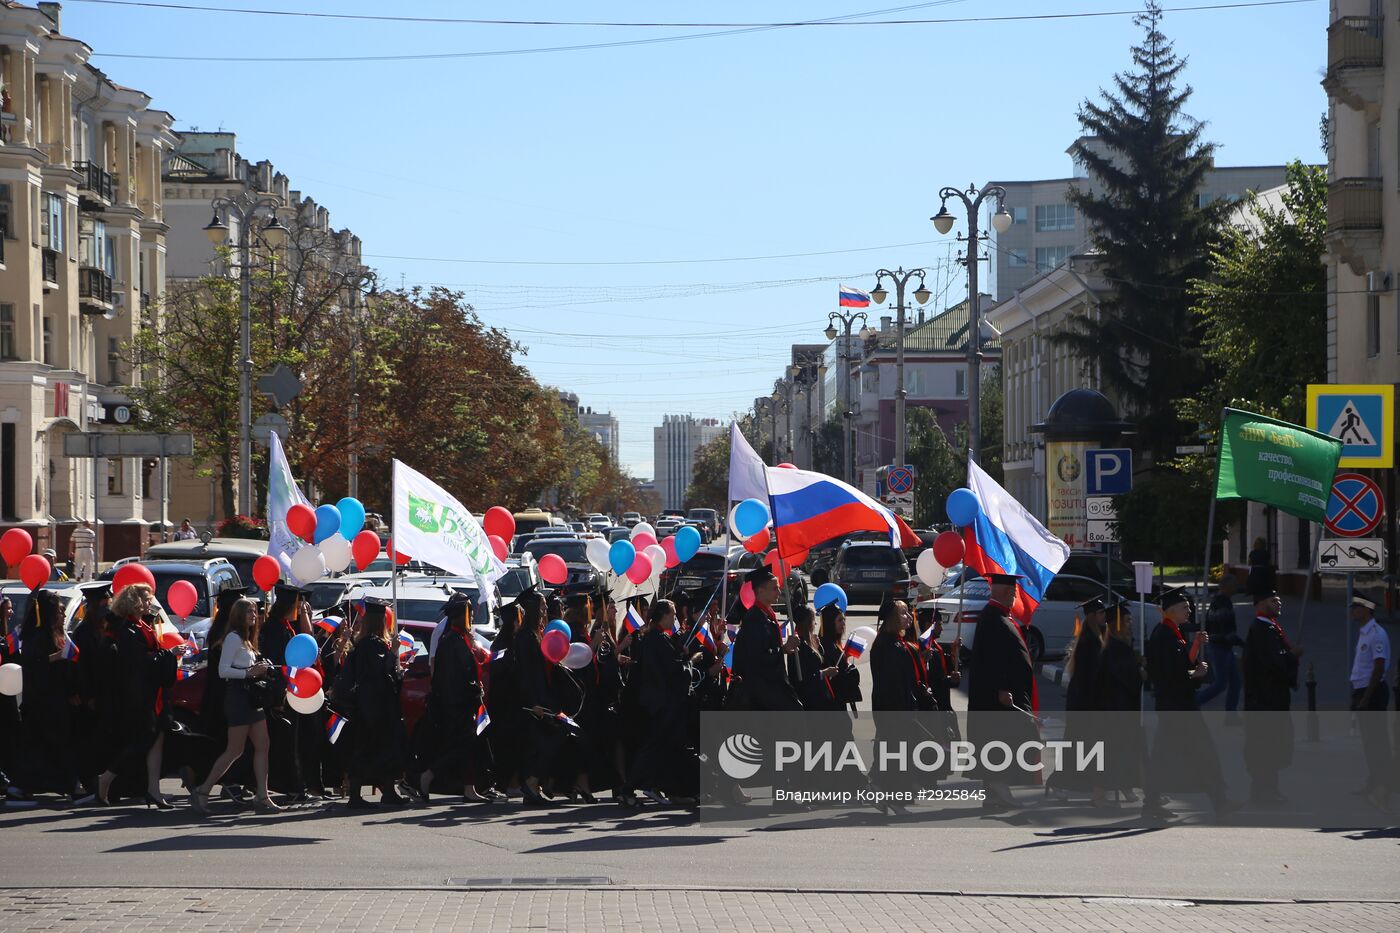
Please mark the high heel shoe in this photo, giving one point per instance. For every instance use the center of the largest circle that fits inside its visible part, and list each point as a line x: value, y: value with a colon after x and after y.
x: 585, y: 796
x: 199, y: 801
x: 265, y: 805
x: 532, y: 798
x: 159, y: 802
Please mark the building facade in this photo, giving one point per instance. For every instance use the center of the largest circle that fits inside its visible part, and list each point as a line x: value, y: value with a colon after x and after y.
x: 674, y: 443
x: 82, y: 268
x: 601, y: 424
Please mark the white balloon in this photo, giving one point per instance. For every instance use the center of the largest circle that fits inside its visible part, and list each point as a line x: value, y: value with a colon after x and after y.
x: 733, y: 531
x: 929, y: 569
x: 657, y: 554
x: 640, y: 528
x: 865, y: 633
x: 598, y: 554
x: 308, y: 564
x: 11, y: 679
x: 306, y: 705
x: 578, y: 657
x: 336, y: 551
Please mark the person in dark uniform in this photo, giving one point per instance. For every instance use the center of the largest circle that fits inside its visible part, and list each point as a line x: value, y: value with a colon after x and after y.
x: 898, y: 687
x: 602, y: 677
x: 1081, y: 698
x: 1223, y: 631
x: 9, y: 707
x: 1183, y: 756
x: 549, y: 747
x: 333, y: 654
x: 1118, y: 695
x: 1270, y: 675
x: 96, y: 657
x: 144, y: 671
x: 806, y: 671
x: 846, y: 681
x: 759, y: 650
x: 457, y: 752
x: 664, y: 766
x: 50, y: 684
x: 296, y: 737
x: 1001, y: 698
x: 503, y: 703
x: 944, y: 674
x: 373, y: 678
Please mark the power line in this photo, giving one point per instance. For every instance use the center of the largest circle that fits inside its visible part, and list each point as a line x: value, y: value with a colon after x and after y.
x: 848, y: 20
x: 644, y: 262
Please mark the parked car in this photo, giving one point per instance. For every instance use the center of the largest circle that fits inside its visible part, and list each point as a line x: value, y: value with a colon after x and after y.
x: 708, y: 517
x: 926, y: 536
x: 328, y: 593
x: 241, y: 552
x: 617, y: 534
x: 867, y: 570
x: 631, y: 518
x: 583, y: 577
x: 532, y: 520
x: 210, y: 577
x: 20, y: 596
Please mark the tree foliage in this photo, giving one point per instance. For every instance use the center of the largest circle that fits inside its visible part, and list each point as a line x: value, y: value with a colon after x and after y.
x: 938, y: 468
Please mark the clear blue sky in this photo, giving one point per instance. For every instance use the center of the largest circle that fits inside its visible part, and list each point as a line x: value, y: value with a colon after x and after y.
x: 795, y: 140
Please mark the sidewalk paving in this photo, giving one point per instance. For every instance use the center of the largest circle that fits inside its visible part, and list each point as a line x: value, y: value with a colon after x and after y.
x: 109, y: 910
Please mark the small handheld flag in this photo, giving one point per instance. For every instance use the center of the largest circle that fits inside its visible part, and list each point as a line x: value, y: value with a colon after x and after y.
x: 632, y: 621
x: 703, y: 636
x: 498, y: 654
x: 70, y: 650
x: 405, y: 642
x: 183, y: 673
x: 328, y: 624
x: 565, y: 720
x: 855, y: 646
x: 335, y: 724
x: 483, y: 719
x: 926, y: 639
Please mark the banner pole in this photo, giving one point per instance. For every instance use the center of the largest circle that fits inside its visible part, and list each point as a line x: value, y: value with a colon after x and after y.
x: 393, y: 548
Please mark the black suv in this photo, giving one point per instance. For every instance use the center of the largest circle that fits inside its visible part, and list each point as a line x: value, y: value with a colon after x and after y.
x: 867, y: 570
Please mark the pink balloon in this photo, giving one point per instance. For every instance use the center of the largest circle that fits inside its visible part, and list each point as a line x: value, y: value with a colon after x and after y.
x: 554, y: 646
x: 640, y: 571
x: 669, y: 546
x: 498, y: 546
x: 182, y: 597
x: 746, y: 595
x: 643, y: 541
x: 787, y: 466
x: 553, y: 570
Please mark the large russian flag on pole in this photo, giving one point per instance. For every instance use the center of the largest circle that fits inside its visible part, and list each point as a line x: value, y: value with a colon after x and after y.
x: 852, y: 297
x: 1005, y: 538
x: 809, y: 508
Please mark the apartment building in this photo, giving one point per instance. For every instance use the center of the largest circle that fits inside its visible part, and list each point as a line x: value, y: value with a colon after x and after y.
x: 674, y: 443
x: 82, y: 267
x: 601, y: 424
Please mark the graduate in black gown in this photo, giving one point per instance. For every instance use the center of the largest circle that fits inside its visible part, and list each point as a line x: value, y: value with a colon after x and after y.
x: 1082, y: 714
x: 1183, y: 757
x: 1118, y: 697
x: 898, y: 688
x: 807, y: 671
x: 373, y: 677
x: 944, y: 675
x: 96, y: 685
x: 458, y: 757
x: 335, y: 650
x: 1001, y: 697
x: 50, y: 686
x: 506, y: 735
x: 760, y: 652
x: 144, y: 671
x: 845, y: 683
x: 599, y: 717
x: 1270, y: 668
x: 552, y: 742
x: 9, y: 706
x: 665, y: 766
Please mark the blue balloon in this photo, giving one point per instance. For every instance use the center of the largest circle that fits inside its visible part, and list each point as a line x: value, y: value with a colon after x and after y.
x: 302, y: 651
x: 829, y: 593
x: 687, y: 543
x: 559, y: 625
x: 621, y: 555
x: 352, y: 517
x: 327, y: 522
x: 963, y: 507
x: 750, y: 517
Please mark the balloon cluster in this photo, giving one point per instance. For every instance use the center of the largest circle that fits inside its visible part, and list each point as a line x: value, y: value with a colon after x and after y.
x: 334, y: 535
x: 304, y: 682
x: 641, y: 557
x: 948, y: 548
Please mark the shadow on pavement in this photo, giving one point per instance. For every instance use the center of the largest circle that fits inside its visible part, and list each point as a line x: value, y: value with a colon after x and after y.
x: 614, y: 843
x: 197, y: 842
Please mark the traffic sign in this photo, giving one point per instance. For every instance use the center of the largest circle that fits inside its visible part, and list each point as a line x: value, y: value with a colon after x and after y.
x: 1352, y: 555
x: 1103, y: 520
x: 899, y: 479
x: 1110, y: 471
x: 281, y: 385
x: 1362, y: 417
x: 269, y: 424
x: 902, y: 504
x: 1356, y: 507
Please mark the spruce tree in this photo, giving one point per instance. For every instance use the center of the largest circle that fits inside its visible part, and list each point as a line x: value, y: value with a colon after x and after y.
x: 1152, y: 236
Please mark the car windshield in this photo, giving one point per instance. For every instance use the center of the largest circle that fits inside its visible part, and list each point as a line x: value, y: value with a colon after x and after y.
x: 524, y: 526
x: 325, y: 595
x: 515, y: 580
x: 873, y: 557
x: 201, y: 586
x: 571, y: 549
x: 420, y: 610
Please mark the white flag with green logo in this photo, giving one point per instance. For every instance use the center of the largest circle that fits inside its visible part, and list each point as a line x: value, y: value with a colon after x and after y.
x: 282, y: 494
x: 430, y: 525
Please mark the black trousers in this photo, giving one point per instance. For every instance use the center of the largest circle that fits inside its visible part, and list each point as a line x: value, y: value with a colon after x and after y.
x: 1375, y: 738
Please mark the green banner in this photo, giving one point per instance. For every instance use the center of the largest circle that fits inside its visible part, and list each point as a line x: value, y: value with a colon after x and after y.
x: 1276, y: 463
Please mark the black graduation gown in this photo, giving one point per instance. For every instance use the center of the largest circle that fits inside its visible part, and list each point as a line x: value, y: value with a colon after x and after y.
x: 453, y: 703
x: 663, y: 762
x: 92, y: 719
x: 599, y: 716
x: 899, y: 692
x: 1083, y: 722
x: 805, y: 673
x: 506, y: 736
x: 333, y: 757
x: 48, y: 748
x: 1001, y: 662
x: 1118, y: 697
x: 759, y: 665
x: 1183, y: 755
x: 297, y: 738
x: 845, y: 683
x: 898, y: 681
x: 9, y: 707
x: 550, y: 748
x: 376, y: 719
x: 1270, y: 671
x: 143, y: 670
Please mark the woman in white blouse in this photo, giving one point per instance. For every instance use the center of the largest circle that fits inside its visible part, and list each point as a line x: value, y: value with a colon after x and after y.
x: 238, y: 665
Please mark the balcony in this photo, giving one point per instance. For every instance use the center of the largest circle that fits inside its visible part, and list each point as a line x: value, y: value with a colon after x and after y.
x: 96, y: 187
x: 94, y: 291
x: 1354, y: 226
x: 50, y: 263
x: 1355, y: 63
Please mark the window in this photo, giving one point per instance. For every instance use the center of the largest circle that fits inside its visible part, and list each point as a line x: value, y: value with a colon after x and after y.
x: 915, y: 382
x: 1373, y: 325
x: 1048, y: 257
x: 1016, y: 258
x: 5, y: 230
x: 7, y: 332
x: 114, y: 477
x: 1054, y: 217
x: 48, y: 339
x: 114, y: 362
x: 960, y: 383
x: 1018, y: 215
x: 94, y: 246
x: 51, y: 223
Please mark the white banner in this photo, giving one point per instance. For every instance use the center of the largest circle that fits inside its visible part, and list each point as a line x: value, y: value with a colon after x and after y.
x: 282, y: 494
x: 430, y: 525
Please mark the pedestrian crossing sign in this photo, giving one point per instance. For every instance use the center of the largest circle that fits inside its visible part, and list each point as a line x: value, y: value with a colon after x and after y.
x: 1362, y: 417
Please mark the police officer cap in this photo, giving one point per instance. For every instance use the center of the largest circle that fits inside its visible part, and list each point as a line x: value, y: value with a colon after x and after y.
x: 1264, y: 593
x: 1363, y: 602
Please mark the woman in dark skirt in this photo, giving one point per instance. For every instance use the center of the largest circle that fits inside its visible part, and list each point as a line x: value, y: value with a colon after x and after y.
x: 372, y: 678
x: 457, y: 758
x: 50, y: 686
x: 144, y: 670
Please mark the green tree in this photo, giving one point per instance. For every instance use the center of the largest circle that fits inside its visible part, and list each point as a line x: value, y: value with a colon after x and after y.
x: 1146, y: 160
x: 827, y: 448
x: 938, y: 469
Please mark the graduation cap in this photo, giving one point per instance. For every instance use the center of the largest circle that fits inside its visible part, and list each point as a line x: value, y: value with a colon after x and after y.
x: 1004, y: 579
x: 228, y: 596
x: 458, y: 603
x: 288, y: 591
x: 759, y: 575
x: 683, y: 598
x: 96, y: 592
x: 1263, y: 593
x: 1172, y: 597
x: 1096, y: 604
x: 579, y: 600
x: 1363, y: 603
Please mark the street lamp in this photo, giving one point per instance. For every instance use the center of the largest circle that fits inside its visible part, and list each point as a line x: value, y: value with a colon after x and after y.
x: 900, y: 278
x: 847, y: 320
x: 1001, y: 222
x: 245, y: 208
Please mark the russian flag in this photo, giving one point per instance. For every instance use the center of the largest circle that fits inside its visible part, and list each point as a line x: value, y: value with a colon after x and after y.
x: 1005, y: 538
x: 183, y: 673
x: 855, y: 646
x: 335, y: 724
x: 852, y: 297
x: 565, y: 720
x: 70, y: 650
x: 632, y: 621
x: 328, y: 623
x: 483, y: 719
x: 498, y: 654
x: 809, y: 508
x: 405, y: 642
x: 926, y: 639
x: 703, y: 636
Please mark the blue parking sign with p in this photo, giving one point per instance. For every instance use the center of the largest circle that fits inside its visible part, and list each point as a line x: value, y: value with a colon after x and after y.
x: 1109, y: 471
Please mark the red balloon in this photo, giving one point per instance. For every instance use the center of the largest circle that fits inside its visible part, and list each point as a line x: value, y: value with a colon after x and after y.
x: 301, y: 519
x: 170, y: 638
x: 305, y: 683
x: 746, y: 596
x: 757, y: 543
x: 365, y: 549
x: 553, y: 570
x: 182, y: 596
x: 266, y: 572
x: 778, y: 566
x: 400, y: 557
x: 14, y: 545
x: 499, y: 522
x: 34, y: 571
x: 669, y: 546
x: 948, y: 549
x: 787, y: 466
x: 554, y: 646
x: 128, y: 574
x: 498, y: 547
